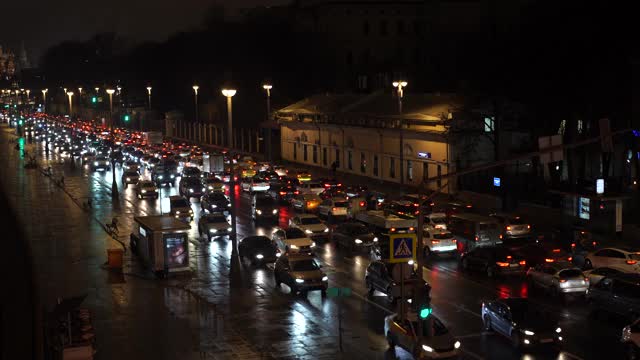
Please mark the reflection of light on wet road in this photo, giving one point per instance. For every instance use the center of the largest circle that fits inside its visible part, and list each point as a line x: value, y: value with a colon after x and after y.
x: 299, y: 322
x: 260, y: 276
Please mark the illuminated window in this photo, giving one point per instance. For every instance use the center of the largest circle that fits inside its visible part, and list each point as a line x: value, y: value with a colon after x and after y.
x: 489, y: 123
x: 580, y: 126
x: 563, y: 124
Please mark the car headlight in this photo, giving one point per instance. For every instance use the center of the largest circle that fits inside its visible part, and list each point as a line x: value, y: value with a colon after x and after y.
x: 203, y: 189
x: 95, y: 163
x: 313, y: 244
x: 259, y: 212
x: 293, y: 246
x: 325, y: 278
x: 159, y: 176
x: 275, y: 211
x: 210, y: 187
x: 427, y: 348
x: 214, y: 206
x: 308, y: 231
x: 178, y: 212
x: 213, y: 230
x: 299, y: 281
x: 259, y: 256
x: 278, y: 254
x: 229, y: 229
x: 144, y: 191
x: 190, y: 190
x: 375, y: 239
x: 128, y: 179
x: 558, y: 330
x: 529, y: 333
x: 172, y: 176
x: 457, y: 345
x: 229, y: 205
x: 190, y: 211
x: 358, y: 241
x: 326, y: 230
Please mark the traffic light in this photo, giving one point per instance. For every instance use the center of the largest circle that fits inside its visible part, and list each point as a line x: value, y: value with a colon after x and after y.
x: 94, y: 99
x: 126, y: 117
x: 425, y: 311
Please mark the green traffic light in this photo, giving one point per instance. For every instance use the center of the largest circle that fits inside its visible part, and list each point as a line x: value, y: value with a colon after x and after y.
x: 94, y: 99
x: 425, y: 312
x: 126, y: 118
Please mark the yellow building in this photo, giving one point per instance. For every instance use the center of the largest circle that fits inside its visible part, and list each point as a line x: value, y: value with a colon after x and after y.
x: 367, y: 135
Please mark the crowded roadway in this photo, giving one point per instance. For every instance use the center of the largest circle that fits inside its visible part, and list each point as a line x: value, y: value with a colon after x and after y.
x: 500, y: 286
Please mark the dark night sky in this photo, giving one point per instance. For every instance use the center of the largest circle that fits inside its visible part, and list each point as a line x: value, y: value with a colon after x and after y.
x: 43, y: 23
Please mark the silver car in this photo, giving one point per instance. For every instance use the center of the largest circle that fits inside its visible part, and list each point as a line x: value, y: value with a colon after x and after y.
x: 558, y: 278
x: 513, y: 226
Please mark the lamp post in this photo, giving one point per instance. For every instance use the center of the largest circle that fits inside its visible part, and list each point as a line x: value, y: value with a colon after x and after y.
x: 195, y: 92
x: 400, y: 85
x: 149, y: 92
x: 44, y: 110
x: 114, y: 184
x: 70, y: 94
x: 97, y: 89
x: 44, y: 100
x: 229, y: 93
x: 268, y: 88
x: 28, y: 92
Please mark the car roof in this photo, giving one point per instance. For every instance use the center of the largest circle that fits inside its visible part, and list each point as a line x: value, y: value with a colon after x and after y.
x: 563, y: 265
x: 626, y: 250
x: 306, y: 216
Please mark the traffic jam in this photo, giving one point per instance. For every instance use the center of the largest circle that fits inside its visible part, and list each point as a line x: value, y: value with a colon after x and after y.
x: 539, y: 288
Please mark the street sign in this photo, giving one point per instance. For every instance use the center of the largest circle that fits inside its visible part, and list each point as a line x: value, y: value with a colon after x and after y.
x: 403, y: 248
x: 496, y: 181
x: 338, y: 292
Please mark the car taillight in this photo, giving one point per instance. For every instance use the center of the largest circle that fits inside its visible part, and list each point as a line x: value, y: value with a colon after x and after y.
x: 563, y: 280
x: 416, y: 204
x: 417, y: 212
x: 594, y: 243
x: 362, y: 203
x: 573, y: 245
x: 327, y: 185
x: 522, y: 262
x: 393, y: 229
x: 454, y: 240
x: 500, y: 236
x: 334, y: 209
x: 586, y: 279
x: 283, y: 193
x: 502, y: 264
x: 339, y: 184
x: 549, y: 260
x: 296, y: 192
x: 435, y: 241
x: 308, y: 203
x: 476, y: 238
x: 509, y: 256
x: 570, y: 258
x: 528, y: 226
x: 508, y: 228
x: 556, y: 250
x: 469, y: 206
x: 411, y: 228
x: 631, y: 262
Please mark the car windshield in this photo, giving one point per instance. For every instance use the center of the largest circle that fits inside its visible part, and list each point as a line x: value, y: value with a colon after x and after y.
x: 146, y: 184
x: 215, y: 219
x: 570, y: 273
x: 516, y: 221
x: 131, y: 173
x: 442, y: 235
x: 358, y: 229
x: 340, y: 204
x: 259, y: 241
x: 304, y: 265
x: 179, y: 203
x: 294, y: 233
x: 217, y: 197
x: 310, y: 221
x: 439, y: 220
x: 191, y: 171
x: 262, y: 201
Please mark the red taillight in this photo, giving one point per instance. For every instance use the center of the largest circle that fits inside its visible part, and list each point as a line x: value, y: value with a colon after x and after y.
x: 502, y: 264
x: 283, y: 193
x: 339, y: 184
x: 594, y: 243
x: 528, y: 226
x: 417, y: 212
x: 556, y: 250
x: 411, y: 228
x: 508, y: 228
x: 454, y: 240
x: 296, y: 192
x: 573, y: 245
x: 334, y: 209
x: 522, y: 262
x: 500, y: 236
x: 570, y: 258
x: 476, y: 238
x: 509, y: 256
x: 308, y: 203
x: 586, y: 279
x: 469, y: 206
x: 327, y: 185
x: 416, y: 204
x: 563, y: 280
x: 631, y: 262
x: 362, y: 203
x: 549, y: 260
x: 435, y: 241
x: 393, y: 229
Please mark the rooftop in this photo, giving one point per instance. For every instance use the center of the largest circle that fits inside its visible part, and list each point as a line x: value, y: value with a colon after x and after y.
x: 161, y: 223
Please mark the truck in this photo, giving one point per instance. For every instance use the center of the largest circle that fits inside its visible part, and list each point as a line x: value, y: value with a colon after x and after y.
x: 380, y: 223
x: 152, y: 137
x: 213, y: 163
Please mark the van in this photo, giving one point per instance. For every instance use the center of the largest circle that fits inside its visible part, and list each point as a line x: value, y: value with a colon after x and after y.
x: 472, y: 230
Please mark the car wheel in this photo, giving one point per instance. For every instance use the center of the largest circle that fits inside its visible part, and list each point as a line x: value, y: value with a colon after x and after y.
x: 487, y: 323
x: 632, y: 351
x: 587, y: 264
x: 390, y: 297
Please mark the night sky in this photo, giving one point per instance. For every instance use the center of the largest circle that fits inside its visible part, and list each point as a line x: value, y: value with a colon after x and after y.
x: 43, y: 23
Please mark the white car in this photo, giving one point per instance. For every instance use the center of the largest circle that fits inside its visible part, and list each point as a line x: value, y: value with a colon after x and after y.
x: 310, y: 224
x: 437, y: 241
x: 255, y: 184
x: 310, y: 187
x: 436, y: 220
x: 614, y: 257
x: 293, y: 240
x: 333, y: 207
x: 213, y: 225
x: 146, y: 188
x: 180, y: 208
x: 280, y: 170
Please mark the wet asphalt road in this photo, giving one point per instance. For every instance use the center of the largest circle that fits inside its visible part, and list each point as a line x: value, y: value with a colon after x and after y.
x: 271, y: 322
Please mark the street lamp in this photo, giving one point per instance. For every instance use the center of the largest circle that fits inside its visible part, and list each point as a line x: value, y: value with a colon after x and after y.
x: 114, y: 184
x: 44, y: 110
x: 229, y: 93
x: 44, y: 100
x: 400, y: 85
x: 97, y: 89
x: 70, y: 94
x: 80, y: 91
x: 268, y: 88
x: 28, y: 92
x: 195, y: 91
x: 149, y: 92
x: 110, y: 92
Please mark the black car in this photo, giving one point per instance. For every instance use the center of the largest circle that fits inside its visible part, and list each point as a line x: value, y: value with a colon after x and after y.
x: 542, y: 252
x: 282, y: 192
x: 264, y: 206
x: 191, y: 187
x: 215, y: 202
x: 402, y: 208
x: 493, y: 261
x: 333, y: 192
x: 271, y: 177
x: 379, y: 277
x: 353, y: 236
x: 356, y: 190
x: 258, y: 249
x: 163, y: 177
x: 521, y: 321
x: 190, y: 171
x: 617, y: 294
x: 330, y: 183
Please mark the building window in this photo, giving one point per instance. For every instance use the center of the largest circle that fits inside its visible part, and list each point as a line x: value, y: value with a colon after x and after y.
x: 439, y: 174
x: 409, y: 170
x: 324, y: 156
x: 392, y: 167
x: 295, y: 152
x: 363, y: 163
x: 400, y: 25
x: 375, y: 165
x: 365, y: 28
x: 349, y: 160
x: 425, y: 171
x: 305, y: 154
x: 315, y: 154
x: 383, y: 28
x: 489, y: 123
x: 337, y: 160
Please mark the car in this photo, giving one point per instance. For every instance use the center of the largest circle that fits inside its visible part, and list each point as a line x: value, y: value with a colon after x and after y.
x: 619, y: 257
x: 301, y: 273
x: 180, y: 208
x: 255, y: 184
x: 513, y: 226
x: 280, y: 170
x: 379, y: 276
x: 301, y: 175
x: 146, y: 188
x: 310, y: 187
x: 436, y: 220
x: 311, y: 225
x: 631, y: 339
x: 541, y: 253
x: 131, y: 165
x: 190, y: 171
x: 558, y: 278
x: 264, y: 207
x: 356, y: 190
x: 436, y: 343
x: 101, y: 163
x: 214, y: 225
x: 305, y: 202
x: 87, y: 158
x: 130, y: 177
x: 333, y: 208
x: 282, y: 192
x: 330, y: 183
x: 226, y: 177
x: 597, y: 274
x: 353, y: 236
x: 293, y: 240
x: 402, y: 208
x: 452, y: 207
x: 437, y: 241
x: 269, y: 176
x: 213, y: 185
x: 153, y: 162
x: 493, y: 261
x: 215, y: 202
x: 332, y: 192
x: 245, y: 173
x: 258, y: 249
x: 520, y: 320
x: 191, y: 187
x: 161, y: 177
x: 617, y: 294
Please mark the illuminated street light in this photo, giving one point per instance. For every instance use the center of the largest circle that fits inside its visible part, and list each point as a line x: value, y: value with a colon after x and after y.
x: 28, y: 92
x: 97, y: 89
x: 229, y: 93
x: 114, y: 184
x: 70, y: 94
x: 149, y: 92
x: 268, y: 88
x: 195, y: 91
